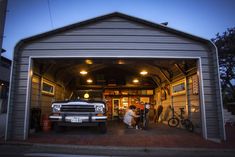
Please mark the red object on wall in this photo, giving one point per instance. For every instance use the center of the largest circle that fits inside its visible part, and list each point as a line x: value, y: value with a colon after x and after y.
x: 46, y: 123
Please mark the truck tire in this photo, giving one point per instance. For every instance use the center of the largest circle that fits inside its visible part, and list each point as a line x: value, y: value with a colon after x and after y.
x: 57, y: 128
x: 102, y: 127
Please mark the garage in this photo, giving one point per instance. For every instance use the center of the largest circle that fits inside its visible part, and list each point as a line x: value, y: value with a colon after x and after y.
x: 122, y: 82
x: 130, y: 61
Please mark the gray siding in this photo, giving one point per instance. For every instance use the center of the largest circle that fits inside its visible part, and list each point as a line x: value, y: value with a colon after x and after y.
x: 41, y: 100
x: 17, y: 111
x: 115, y: 37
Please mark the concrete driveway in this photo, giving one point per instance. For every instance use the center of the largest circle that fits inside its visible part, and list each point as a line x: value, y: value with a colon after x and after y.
x: 158, y: 135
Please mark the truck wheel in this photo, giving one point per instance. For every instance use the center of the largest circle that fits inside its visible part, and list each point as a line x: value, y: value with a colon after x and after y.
x: 57, y: 128
x: 102, y: 127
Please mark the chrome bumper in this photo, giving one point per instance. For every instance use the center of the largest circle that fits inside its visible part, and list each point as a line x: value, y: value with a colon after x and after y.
x: 77, y: 119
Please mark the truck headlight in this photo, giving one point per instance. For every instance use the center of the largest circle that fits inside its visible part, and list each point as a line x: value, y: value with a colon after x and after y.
x: 99, y: 108
x: 56, y: 108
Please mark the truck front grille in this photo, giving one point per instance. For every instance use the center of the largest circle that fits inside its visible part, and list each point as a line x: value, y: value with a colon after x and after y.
x: 76, y: 108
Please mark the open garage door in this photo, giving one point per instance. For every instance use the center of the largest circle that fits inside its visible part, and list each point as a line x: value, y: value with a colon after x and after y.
x: 170, y: 83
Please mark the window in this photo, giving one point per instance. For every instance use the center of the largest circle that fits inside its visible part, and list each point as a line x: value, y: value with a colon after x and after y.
x: 178, y: 88
x: 48, y: 87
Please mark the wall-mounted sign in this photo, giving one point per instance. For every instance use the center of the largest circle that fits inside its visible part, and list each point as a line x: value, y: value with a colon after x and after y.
x: 178, y: 88
x: 47, y: 87
x: 195, y: 84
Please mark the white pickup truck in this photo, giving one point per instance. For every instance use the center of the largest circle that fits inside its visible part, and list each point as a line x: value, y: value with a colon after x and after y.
x: 80, y: 112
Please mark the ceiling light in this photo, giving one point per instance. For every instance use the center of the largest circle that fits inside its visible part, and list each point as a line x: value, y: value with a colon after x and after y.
x: 2, y: 84
x: 120, y: 62
x: 89, y: 80
x: 86, y: 96
x: 144, y: 72
x: 88, y: 61
x: 83, y: 72
x: 135, y: 81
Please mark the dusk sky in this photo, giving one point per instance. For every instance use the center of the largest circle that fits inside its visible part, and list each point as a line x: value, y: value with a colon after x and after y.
x: 203, y: 18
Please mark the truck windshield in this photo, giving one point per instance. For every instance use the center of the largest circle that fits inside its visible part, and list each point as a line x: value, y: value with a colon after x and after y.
x: 87, y: 95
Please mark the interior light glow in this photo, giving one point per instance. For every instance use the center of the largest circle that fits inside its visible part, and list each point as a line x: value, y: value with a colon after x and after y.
x: 135, y: 81
x: 89, y: 80
x: 86, y: 95
x: 143, y: 72
x: 88, y: 61
x: 120, y: 62
x: 83, y: 72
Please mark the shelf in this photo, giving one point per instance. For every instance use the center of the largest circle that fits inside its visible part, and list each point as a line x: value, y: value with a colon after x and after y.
x: 127, y: 95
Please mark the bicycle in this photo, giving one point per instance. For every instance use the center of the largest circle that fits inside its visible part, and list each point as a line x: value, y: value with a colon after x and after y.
x: 179, y: 119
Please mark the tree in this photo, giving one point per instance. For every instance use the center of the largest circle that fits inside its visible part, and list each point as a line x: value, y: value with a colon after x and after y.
x: 226, y: 51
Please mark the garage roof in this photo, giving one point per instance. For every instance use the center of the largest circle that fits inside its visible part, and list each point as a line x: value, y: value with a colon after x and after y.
x: 120, y: 15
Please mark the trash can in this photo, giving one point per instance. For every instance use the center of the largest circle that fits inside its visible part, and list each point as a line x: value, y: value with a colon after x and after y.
x: 35, y: 115
x: 46, y: 123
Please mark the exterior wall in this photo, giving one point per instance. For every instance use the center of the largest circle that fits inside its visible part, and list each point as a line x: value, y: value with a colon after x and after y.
x: 115, y: 37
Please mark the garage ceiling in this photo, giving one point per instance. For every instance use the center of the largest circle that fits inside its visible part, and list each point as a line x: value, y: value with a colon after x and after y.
x: 115, y: 71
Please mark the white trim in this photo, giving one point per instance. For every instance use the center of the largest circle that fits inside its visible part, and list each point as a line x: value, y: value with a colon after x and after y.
x: 9, y: 99
x: 221, y: 99
x: 27, y: 106
x: 156, y: 57
x: 173, y: 57
x: 202, y: 99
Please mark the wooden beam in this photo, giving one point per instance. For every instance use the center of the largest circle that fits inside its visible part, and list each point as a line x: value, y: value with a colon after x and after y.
x: 161, y: 69
x: 156, y: 81
x: 180, y: 69
x: 156, y: 78
x: 45, y: 68
x: 165, y: 76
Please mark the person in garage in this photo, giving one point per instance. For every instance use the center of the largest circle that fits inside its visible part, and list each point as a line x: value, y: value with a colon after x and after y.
x: 158, y: 114
x: 151, y: 113
x: 129, y: 117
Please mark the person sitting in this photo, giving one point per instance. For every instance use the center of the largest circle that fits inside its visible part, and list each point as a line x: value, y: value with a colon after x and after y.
x: 129, y: 117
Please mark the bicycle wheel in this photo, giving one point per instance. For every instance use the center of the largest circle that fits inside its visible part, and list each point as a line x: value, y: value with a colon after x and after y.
x: 188, y: 125
x: 173, y: 122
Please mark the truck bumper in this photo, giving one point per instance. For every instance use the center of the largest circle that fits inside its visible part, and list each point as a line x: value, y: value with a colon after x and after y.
x: 77, y: 118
